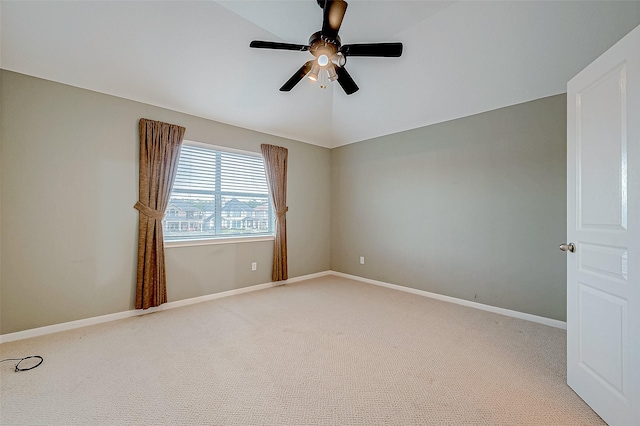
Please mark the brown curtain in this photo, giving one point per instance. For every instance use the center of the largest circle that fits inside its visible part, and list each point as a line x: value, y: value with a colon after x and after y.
x: 275, y: 162
x: 159, y: 152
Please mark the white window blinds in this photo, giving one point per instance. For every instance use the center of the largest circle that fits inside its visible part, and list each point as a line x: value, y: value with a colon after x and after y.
x: 218, y: 194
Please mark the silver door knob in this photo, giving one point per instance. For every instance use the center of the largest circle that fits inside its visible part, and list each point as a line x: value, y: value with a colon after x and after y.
x: 568, y: 247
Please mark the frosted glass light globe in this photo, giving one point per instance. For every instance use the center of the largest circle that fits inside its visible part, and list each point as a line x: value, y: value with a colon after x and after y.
x: 323, y: 60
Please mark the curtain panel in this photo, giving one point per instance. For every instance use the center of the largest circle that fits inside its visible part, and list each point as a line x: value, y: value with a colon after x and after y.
x: 275, y: 162
x: 159, y: 152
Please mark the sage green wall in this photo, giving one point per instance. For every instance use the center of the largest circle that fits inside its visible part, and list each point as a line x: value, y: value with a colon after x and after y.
x: 472, y: 208
x: 69, y: 182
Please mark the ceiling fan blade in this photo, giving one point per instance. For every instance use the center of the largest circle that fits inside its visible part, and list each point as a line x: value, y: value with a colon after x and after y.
x: 372, y: 49
x: 346, y: 81
x: 334, y: 11
x: 295, y: 79
x: 280, y: 46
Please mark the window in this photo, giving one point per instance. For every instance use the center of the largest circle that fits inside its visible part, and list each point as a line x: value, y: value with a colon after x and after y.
x: 217, y: 194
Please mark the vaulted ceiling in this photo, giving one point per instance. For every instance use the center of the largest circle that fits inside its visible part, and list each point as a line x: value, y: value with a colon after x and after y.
x: 460, y: 57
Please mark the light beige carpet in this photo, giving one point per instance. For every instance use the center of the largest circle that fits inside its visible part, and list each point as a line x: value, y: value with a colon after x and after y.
x: 326, y: 351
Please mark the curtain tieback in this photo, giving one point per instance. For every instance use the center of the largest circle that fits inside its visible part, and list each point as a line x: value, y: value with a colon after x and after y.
x: 281, y: 213
x: 148, y: 211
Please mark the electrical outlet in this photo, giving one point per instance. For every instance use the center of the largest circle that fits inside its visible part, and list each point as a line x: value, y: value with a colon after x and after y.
x: 362, y: 260
x: 254, y: 266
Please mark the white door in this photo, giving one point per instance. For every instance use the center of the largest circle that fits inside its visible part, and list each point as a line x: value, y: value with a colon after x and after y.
x: 603, y: 221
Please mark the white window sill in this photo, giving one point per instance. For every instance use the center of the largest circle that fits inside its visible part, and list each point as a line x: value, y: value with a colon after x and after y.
x: 215, y: 241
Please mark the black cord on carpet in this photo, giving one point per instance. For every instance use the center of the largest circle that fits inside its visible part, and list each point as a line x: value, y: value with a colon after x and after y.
x: 25, y: 368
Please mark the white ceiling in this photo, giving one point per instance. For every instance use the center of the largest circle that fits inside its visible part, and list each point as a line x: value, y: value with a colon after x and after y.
x: 460, y: 57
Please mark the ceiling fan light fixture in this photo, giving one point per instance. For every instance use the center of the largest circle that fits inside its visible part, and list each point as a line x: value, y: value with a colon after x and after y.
x: 331, y: 70
x: 339, y: 59
x: 313, y: 74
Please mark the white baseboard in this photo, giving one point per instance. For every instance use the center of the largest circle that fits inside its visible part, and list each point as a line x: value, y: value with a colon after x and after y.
x: 304, y: 278
x: 502, y: 311
x: 40, y: 331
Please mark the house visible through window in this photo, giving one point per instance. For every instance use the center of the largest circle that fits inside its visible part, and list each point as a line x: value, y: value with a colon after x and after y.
x: 218, y: 194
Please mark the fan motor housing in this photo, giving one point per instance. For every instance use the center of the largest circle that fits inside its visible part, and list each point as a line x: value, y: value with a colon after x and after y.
x: 319, y: 45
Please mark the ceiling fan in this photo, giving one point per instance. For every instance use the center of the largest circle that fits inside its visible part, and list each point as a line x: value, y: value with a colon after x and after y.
x: 330, y: 54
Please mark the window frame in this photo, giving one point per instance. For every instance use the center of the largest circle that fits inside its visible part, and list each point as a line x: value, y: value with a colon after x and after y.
x: 190, y: 242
